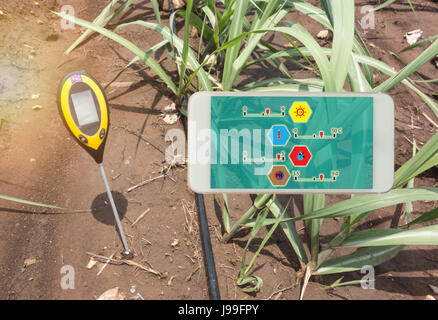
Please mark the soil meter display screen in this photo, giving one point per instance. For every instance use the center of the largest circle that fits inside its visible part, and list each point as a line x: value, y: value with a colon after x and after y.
x: 292, y: 143
x: 85, y: 107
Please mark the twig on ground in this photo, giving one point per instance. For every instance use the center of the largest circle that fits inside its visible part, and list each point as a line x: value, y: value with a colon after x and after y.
x: 141, y: 184
x: 127, y: 262
x: 189, y: 277
x: 116, y: 176
x: 106, y: 263
x: 142, y: 137
x: 141, y: 216
x: 280, y: 291
x: 190, y: 258
x: 418, y: 149
x: 430, y: 120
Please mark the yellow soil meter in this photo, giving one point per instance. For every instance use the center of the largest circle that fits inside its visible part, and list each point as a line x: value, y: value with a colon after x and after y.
x: 84, y: 108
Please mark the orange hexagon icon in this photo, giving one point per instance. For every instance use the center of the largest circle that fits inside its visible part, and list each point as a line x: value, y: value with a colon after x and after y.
x: 300, y: 112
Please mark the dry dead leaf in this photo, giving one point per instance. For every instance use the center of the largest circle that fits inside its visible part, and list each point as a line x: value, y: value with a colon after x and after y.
x: 121, y: 84
x: 175, y: 243
x: 413, y: 36
x: 177, y: 4
x: 434, y: 288
x: 323, y: 34
x: 211, y: 60
x: 91, y: 263
x: 169, y: 283
x: 170, y: 113
x: 193, y: 32
x: 435, y: 62
x: 112, y: 294
x: 29, y: 261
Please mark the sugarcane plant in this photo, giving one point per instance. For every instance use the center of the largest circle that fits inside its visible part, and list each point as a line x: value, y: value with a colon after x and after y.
x: 230, y: 40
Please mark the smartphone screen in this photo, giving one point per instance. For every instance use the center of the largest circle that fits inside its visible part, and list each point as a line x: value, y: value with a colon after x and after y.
x: 282, y: 142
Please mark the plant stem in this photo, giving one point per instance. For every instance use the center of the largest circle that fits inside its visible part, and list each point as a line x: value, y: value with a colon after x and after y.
x: 259, y: 203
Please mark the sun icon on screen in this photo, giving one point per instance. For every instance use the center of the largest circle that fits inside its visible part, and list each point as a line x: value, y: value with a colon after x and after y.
x: 300, y: 112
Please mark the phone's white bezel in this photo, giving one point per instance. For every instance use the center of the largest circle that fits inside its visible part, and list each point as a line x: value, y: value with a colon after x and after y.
x: 199, y: 118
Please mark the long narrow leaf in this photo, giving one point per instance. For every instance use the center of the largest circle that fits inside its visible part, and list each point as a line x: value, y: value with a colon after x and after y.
x: 387, y: 237
x: 418, y: 43
x: 426, y: 217
x: 343, y: 35
x: 365, y: 203
x: 289, y: 230
x: 126, y: 43
x: 426, y: 158
x: 192, y: 63
x: 102, y: 20
x: 383, y: 5
x: 231, y: 54
x: 418, y: 62
x: 355, y: 261
x: 36, y: 204
x: 185, y: 51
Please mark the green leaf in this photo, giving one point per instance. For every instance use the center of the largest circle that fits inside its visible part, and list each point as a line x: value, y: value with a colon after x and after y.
x: 365, y: 203
x: 289, y: 230
x: 369, y: 202
x: 280, y: 81
x: 355, y: 261
x: 359, y: 46
x: 192, y: 63
x: 383, y: 5
x: 299, y: 32
x: 227, y: 45
x: 31, y: 203
x: 343, y: 36
x: 135, y: 59
x: 185, y: 51
x: 425, y: 159
x: 387, y: 237
x: 257, y: 226
x: 312, y: 203
x: 245, y: 280
x: 197, y: 23
x: 127, y: 44
x: 232, y: 53
x: 302, y: 55
x: 156, y: 9
x: 102, y: 20
x: 288, y: 88
x: 416, y: 64
x: 426, y: 217
x: 226, y: 214
x: 267, y: 22
x: 418, y: 43
x: 391, y: 72
x: 265, y: 240
x: 313, y: 12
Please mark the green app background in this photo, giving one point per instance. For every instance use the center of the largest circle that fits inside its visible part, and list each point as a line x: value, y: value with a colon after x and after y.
x: 351, y: 153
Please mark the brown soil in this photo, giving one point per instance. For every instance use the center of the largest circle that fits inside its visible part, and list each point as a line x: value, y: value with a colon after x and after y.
x: 40, y: 162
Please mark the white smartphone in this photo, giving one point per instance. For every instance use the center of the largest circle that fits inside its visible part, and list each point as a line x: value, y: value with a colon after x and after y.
x: 279, y: 142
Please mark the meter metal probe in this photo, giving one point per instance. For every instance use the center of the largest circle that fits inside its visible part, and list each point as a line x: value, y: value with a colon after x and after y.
x: 83, y: 106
